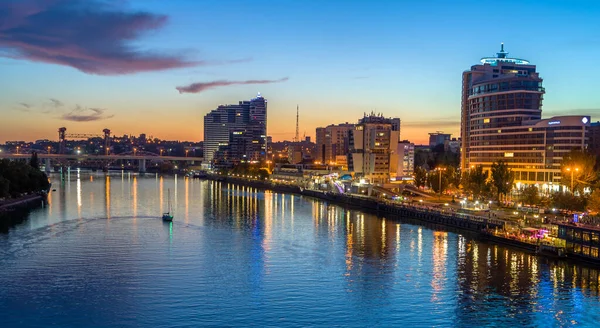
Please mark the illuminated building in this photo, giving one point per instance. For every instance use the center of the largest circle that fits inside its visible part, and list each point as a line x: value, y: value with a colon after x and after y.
x: 332, y: 141
x: 501, y: 120
x: 245, y: 123
x: 374, y: 143
x: 406, y: 160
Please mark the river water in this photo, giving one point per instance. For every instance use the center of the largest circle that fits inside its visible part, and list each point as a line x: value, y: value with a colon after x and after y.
x: 98, y: 255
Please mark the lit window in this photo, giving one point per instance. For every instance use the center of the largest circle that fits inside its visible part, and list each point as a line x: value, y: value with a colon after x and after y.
x: 499, y: 131
x: 509, y: 155
x: 486, y: 120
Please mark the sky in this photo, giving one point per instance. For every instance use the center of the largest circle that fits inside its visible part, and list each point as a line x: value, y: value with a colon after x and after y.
x: 157, y: 67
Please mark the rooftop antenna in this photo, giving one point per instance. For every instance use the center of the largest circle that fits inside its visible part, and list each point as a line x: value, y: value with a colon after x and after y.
x: 502, y: 53
x: 297, y: 138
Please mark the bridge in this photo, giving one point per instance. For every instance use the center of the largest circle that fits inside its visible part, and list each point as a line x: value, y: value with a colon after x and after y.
x: 137, y: 155
x: 105, y: 159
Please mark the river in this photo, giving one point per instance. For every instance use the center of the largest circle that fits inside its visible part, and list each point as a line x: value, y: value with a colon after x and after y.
x: 98, y: 255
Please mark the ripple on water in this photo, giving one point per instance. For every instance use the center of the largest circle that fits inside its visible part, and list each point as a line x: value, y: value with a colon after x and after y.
x: 239, y: 257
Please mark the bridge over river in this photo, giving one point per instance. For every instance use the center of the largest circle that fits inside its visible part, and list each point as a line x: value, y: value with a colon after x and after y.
x: 102, y: 160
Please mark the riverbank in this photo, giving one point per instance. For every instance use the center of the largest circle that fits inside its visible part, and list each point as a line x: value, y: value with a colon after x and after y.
x: 20, y: 202
x: 481, y: 227
x: 420, y: 213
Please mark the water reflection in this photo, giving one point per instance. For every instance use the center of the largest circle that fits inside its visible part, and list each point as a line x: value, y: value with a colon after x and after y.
x: 527, y: 288
x: 271, y: 256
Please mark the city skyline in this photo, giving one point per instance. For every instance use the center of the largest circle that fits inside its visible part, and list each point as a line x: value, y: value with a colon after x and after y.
x: 406, y: 62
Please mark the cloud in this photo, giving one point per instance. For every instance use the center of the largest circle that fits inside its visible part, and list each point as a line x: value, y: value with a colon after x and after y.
x: 202, y: 86
x: 23, y: 107
x: 80, y: 114
x: 93, y: 36
x: 56, y: 103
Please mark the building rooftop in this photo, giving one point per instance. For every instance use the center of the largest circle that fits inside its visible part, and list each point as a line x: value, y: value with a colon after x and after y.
x: 502, y: 58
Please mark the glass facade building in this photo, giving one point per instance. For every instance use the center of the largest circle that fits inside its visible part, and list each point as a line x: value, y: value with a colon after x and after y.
x: 501, y: 119
x: 236, y: 132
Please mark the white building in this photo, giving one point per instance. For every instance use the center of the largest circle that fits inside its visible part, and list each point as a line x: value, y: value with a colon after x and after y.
x: 406, y: 160
x: 501, y: 119
x: 374, y: 145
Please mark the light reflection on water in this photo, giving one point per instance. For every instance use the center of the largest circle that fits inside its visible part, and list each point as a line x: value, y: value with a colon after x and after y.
x: 99, y: 255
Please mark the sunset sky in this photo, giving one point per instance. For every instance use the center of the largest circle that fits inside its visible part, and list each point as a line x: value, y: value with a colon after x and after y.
x: 157, y: 67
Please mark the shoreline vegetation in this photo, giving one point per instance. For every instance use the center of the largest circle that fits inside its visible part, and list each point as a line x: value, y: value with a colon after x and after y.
x: 22, y: 184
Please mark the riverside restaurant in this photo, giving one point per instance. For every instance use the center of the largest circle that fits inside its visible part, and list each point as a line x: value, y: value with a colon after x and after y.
x: 581, y: 240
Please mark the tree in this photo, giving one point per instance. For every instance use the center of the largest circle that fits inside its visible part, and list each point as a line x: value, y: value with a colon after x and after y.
x: 475, y: 182
x: 4, y: 187
x: 34, y: 161
x: 502, y: 178
x: 21, y: 178
x: 594, y: 201
x: 420, y: 177
x: 578, y: 166
x: 433, y: 180
x: 530, y: 195
x: 568, y: 201
x: 453, y: 178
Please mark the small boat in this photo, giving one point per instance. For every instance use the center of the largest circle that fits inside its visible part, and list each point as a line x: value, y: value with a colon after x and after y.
x: 168, y: 216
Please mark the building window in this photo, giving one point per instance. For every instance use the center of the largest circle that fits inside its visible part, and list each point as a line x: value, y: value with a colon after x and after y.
x: 586, y: 250
x: 586, y: 237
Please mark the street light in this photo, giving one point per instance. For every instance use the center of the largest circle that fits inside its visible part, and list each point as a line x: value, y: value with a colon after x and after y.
x: 17, y: 150
x: 569, y: 169
x: 440, y: 169
x: 186, y: 152
x: 134, y: 151
x: 49, y: 148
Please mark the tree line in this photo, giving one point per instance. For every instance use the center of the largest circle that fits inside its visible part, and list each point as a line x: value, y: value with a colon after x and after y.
x: 19, y: 178
x: 579, y: 172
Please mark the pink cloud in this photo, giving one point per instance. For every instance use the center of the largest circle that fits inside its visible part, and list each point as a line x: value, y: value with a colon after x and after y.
x: 202, y: 86
x: 93, y: 36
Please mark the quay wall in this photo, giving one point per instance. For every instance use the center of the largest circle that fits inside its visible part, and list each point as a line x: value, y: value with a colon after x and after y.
x: 392, y: 210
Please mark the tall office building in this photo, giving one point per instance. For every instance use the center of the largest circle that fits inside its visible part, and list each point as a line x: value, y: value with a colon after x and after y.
x: 239, y: 131
x: 374, y: 145
x: 501, y: 120
x: 594, y: 139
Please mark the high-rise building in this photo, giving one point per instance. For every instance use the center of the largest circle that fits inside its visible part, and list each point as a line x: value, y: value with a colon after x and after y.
x: 332, y: 141
x: 594, y: 141
x: 406, y: 159
x: 244, y: 124
x: 501, y: 120
x: 374, y: 144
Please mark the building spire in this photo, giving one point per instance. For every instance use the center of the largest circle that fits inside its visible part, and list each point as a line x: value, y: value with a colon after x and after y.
x: 502, y: 53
